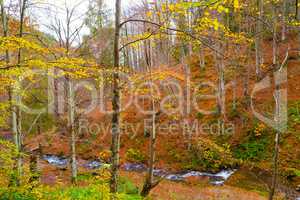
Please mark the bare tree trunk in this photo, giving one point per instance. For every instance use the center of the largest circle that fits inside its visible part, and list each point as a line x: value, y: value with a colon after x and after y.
x: 127, y: 50
x: 221, y: 82
x: 246, y: 80
x: 276, y: 149
x: 4, y: 18
x: 219, y: 55
x: 159, y: 47
x: 186, y: 103
x: 56, y: 99
x: 275, y: 166
x: 71, y: 111
x: 277, y: 112
x: 297, y: 9
x: 275, y: 48
x: 234, y: 103
x: 201, y: 58
x: 258, y: 39
x: 284, y: 20
x: 149, y: 182
x: 189, y: 16
x: 221, y: 72
x: 116, y: 104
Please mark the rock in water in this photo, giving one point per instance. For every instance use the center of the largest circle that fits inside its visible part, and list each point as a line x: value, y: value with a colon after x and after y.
x: 93, y: 164
x: 134, y: 167
x: 55, y: 160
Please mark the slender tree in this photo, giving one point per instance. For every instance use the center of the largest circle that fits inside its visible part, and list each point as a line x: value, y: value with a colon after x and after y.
x: 258, y: 38
x: 149, y: 182
x: 275, y: 43
x: 115, y: 146
x: 297, y: 9
x: 16, y: 111
x: 284, y: 19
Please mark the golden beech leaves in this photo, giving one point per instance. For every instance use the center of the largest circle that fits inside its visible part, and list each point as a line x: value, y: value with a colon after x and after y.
x: 15, y: 43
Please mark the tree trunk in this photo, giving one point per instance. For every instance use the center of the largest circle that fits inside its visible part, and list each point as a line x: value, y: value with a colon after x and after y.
x: 258, y: 39
x: 221, y: 83
x: 149, y: 182
x: 284, y: 20
x: 276, y: 149
x: 275, y: 48
x: 71, y: 111
x: 56, y: 97
x: 116, y: 104
x: 296, y: 10
x: 201, y: 58
x: 275, y: 166
x: 234, y: 95
x: 277, y: 112
x: 186, y: 103
x: 16, y: 112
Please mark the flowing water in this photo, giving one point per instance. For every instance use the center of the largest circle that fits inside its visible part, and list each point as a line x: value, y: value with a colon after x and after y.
x: 214, y: 179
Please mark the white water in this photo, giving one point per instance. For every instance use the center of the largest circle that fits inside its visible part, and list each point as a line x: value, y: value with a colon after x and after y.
x: 55, y: 160
x: 215, y: 179
x: 220, y: 177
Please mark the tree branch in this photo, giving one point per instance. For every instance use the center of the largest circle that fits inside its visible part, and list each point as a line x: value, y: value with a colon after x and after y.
x: 172, y: 29
x: 138, y: 40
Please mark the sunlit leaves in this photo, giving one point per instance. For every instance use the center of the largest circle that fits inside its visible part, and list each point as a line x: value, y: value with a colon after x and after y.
x: 15, y: 43
x: 8, y: 153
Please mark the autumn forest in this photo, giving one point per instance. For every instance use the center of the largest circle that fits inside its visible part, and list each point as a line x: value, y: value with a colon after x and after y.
x: 149, y: 99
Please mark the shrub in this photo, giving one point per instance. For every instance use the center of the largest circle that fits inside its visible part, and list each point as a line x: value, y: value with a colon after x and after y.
x: 127, y: 187
x: 294, y: 113
x: 234, y: 113
x: 8, y: 153
x: 253, y: 150
x: 255, y: 146
x: 207, y: 155
x: 200, y: 115
x: 95, y: 191
x: 135, y: 155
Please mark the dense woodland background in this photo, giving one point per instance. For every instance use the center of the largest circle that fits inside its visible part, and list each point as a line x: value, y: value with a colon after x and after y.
x: 191, y: 99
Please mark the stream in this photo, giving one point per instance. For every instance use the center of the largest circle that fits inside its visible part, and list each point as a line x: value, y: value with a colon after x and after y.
x: 217, y: 179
